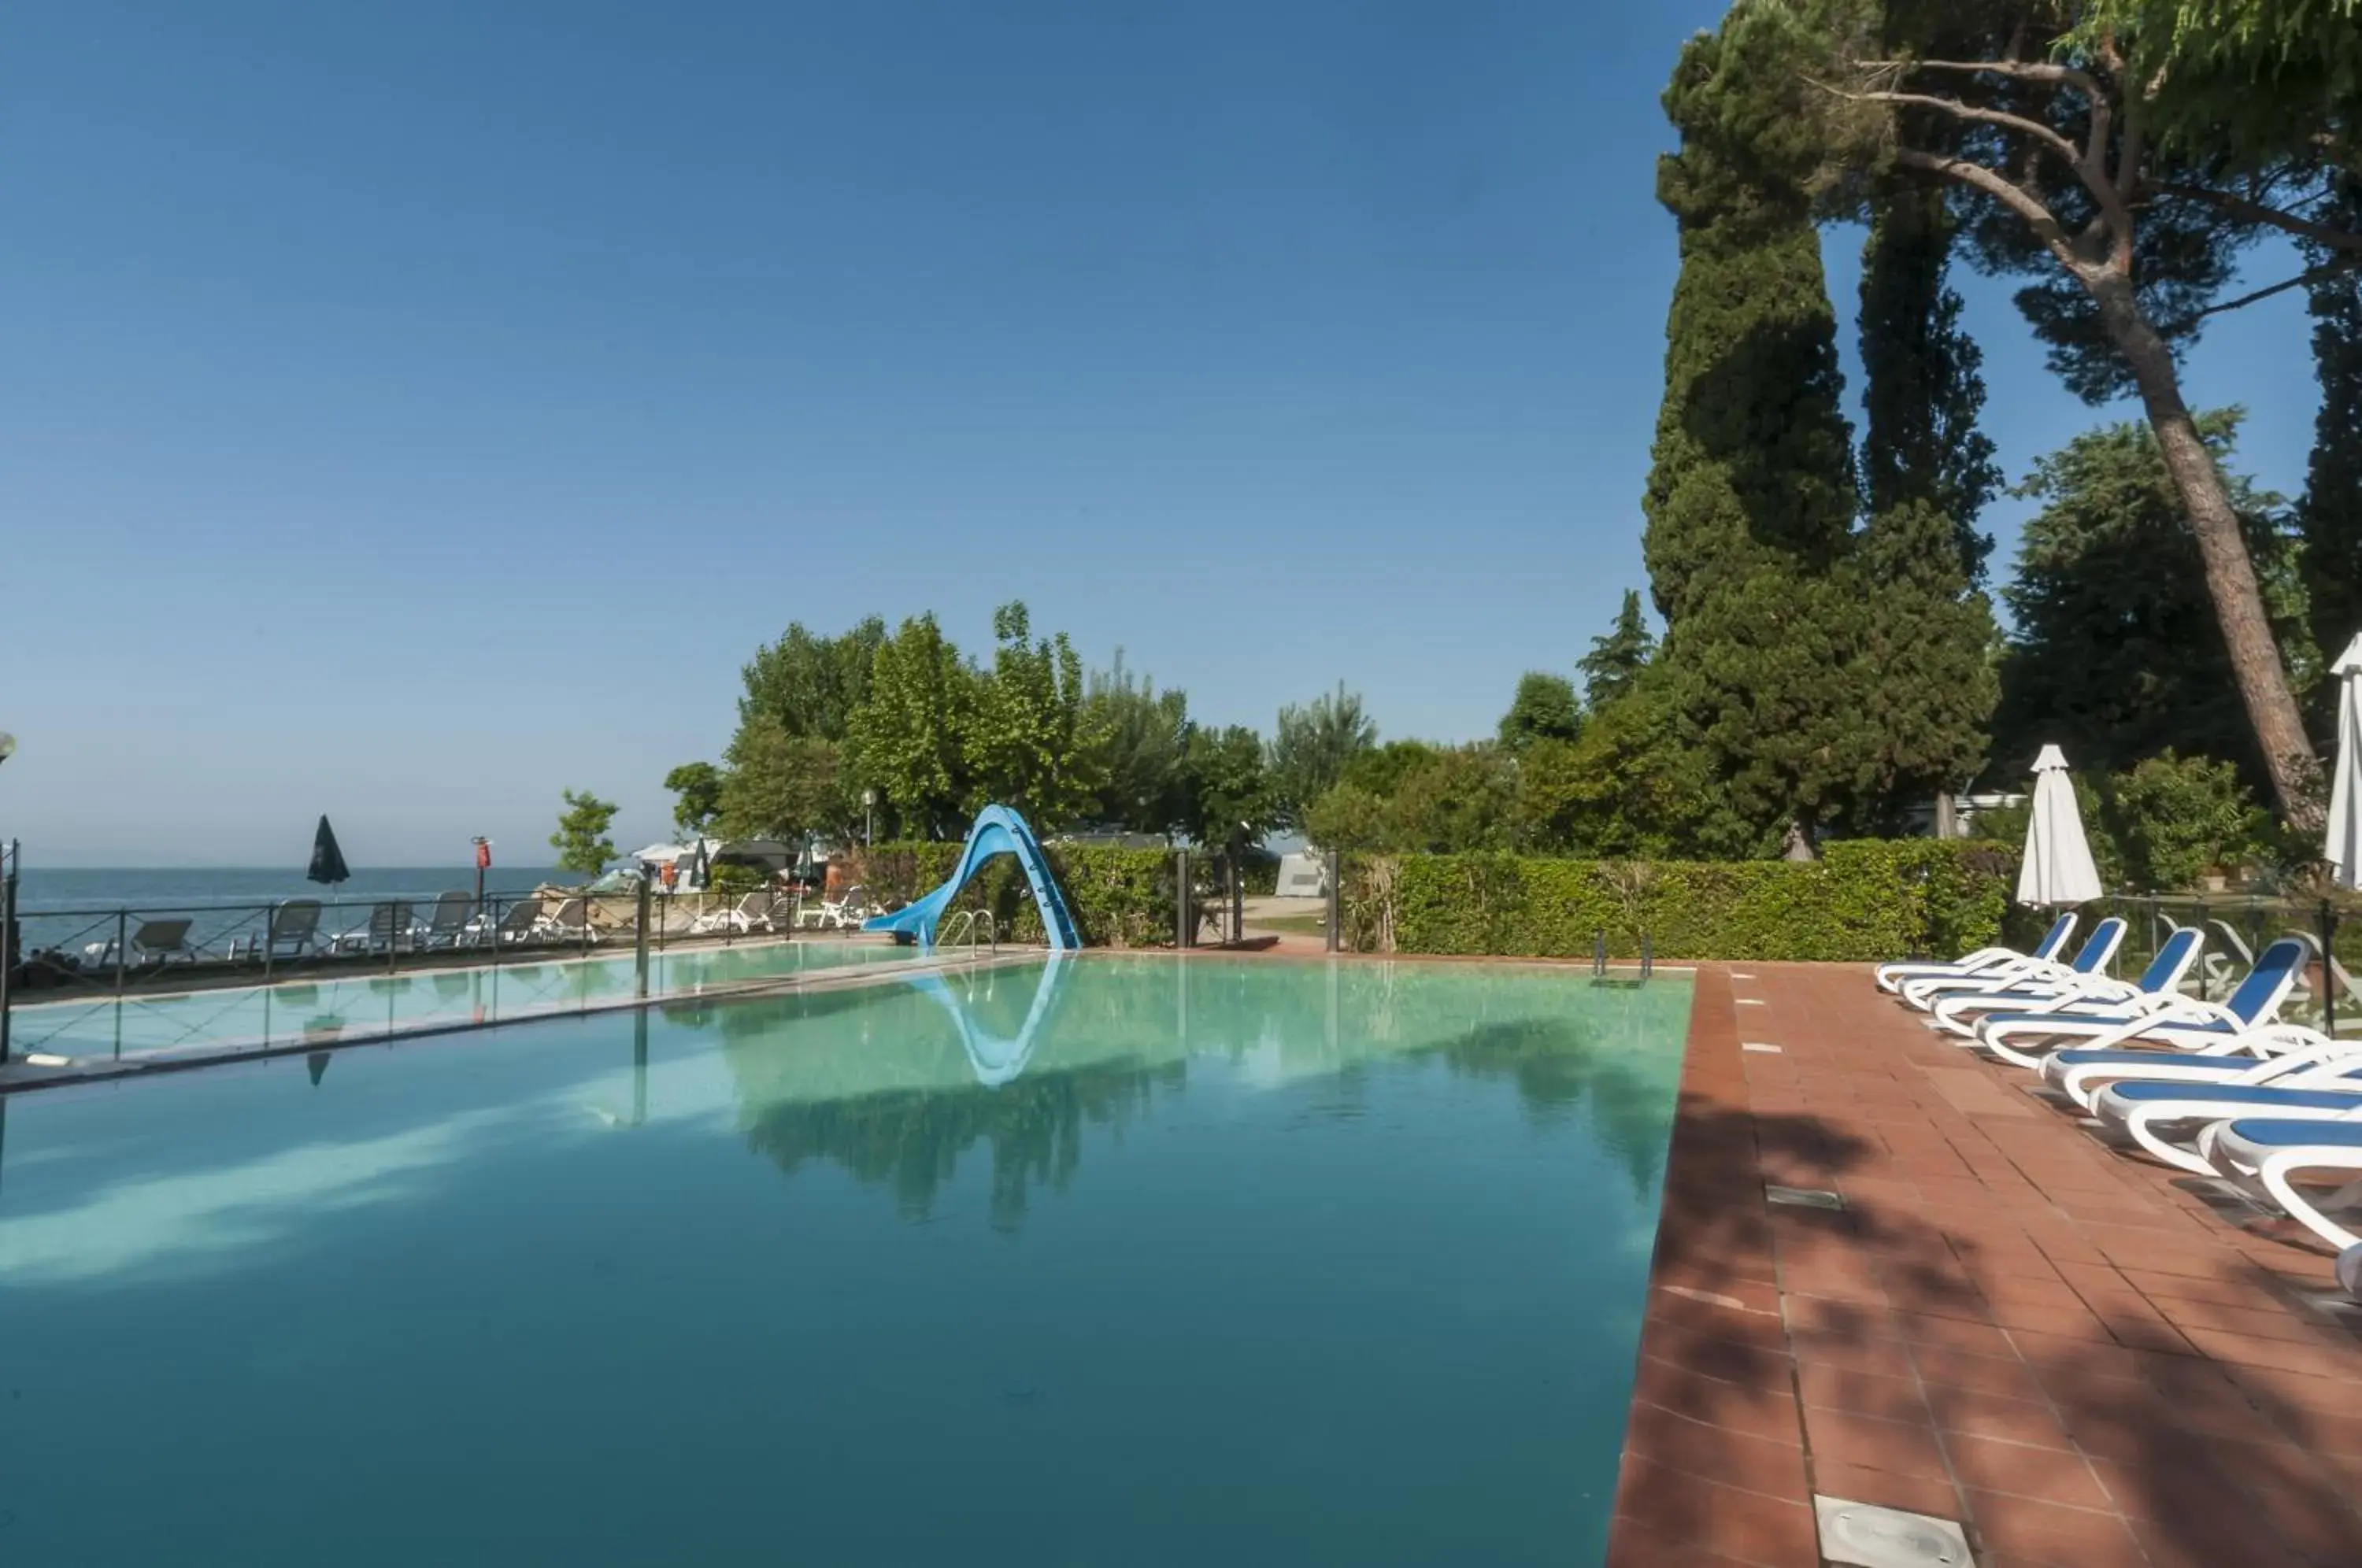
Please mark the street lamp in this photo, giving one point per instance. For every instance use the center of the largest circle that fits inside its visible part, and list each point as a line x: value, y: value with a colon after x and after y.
x: 868, y: 806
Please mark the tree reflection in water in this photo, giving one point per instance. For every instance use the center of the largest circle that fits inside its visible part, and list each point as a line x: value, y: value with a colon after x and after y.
x: 896, y: 1083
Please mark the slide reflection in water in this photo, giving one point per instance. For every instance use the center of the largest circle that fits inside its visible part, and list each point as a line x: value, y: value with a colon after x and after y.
x: 998, y: 1059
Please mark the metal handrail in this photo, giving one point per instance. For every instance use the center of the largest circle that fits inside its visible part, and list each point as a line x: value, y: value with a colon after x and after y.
x: 977, y: 926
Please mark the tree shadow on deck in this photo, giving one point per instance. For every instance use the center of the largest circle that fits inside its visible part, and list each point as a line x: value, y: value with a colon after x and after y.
x: 1963, y: 1359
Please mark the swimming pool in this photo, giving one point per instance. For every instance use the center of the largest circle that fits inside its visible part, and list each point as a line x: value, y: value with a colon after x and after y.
x: 1100, y: 1260
x: 352, y: 1005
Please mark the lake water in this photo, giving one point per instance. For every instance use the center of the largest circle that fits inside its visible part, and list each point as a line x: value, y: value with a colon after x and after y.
x: 1104, y: 1260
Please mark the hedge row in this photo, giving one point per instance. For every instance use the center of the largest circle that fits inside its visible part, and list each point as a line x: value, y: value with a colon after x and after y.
x: 1864, y: 900
x: 1859, y: 901
x: 1119, y: 897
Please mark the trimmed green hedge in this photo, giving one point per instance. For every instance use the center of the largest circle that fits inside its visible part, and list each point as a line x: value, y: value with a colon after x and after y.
x: 1869, y: 899
x: 1119, y: 897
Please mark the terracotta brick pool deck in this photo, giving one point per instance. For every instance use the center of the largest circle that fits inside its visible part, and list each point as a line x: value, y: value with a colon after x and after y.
x: 2082, y: 1358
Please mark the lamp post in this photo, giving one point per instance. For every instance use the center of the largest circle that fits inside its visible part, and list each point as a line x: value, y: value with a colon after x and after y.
x: 868, y: 812
x: 483, y: 861
x: 9, y: 855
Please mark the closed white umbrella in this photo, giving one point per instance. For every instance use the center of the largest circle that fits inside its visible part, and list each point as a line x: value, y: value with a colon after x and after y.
x: 2344, y: 849
x: 2058, y: 868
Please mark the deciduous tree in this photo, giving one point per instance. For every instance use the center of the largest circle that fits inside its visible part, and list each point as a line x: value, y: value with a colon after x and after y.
x: 1312, y: 748
x: 1543, y: 709
x: 697, y: 796
x: 582, y: 840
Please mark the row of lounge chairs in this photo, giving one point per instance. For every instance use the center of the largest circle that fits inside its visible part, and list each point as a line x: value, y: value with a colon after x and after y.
x: 767, y: 909
x: 2224, y: 1089
x: 454, y: 922
x: 292, y: 930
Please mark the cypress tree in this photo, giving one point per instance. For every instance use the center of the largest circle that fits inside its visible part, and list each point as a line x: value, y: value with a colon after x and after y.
x: 2329, y: 518
x: 1753, y: 497
x: 1927, y: 680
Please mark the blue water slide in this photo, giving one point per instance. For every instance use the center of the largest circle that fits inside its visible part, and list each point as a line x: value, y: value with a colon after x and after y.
x: 997, y: 830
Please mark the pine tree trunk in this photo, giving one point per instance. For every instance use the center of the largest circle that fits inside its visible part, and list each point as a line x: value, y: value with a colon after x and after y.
x: 2230, y: 575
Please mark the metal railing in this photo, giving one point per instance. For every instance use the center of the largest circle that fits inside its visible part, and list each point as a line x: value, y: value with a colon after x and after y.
x: 2236, y: 927
x: 974, y: 927
x: 149, y: 951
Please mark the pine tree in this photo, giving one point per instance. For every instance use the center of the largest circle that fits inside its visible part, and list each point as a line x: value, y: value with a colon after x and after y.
x: 1751, y: 499
x: 1928, y: 676
x: 1617, y: 659
x: 2329, y: 516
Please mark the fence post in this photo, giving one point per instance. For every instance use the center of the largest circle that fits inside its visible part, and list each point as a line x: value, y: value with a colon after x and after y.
x: 9, y: 852
x: 1183, y: 928
x: 392, y: 933
x: 122, y: 927
x: 1334, y: 899
x: 640, y: 945
x: 2328, y: 975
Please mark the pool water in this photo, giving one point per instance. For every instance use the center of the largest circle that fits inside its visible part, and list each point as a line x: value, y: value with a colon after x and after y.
x: 356, y: 1004
x: 1095, y: 1261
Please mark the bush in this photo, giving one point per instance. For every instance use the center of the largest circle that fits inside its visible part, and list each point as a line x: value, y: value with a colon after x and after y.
x: 1119, y: 897
x: 2178, y: 818
x: 1860, y: 901
x: 732, y: 879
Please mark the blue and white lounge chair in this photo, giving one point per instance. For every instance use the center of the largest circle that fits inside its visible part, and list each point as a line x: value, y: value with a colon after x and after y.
x: 2265, y: 1152
x: 2284, y: 1088
x: 2174, y: 1023
x: 2035, y: 981
x: 1983, y: 961
x: 2088, y: 996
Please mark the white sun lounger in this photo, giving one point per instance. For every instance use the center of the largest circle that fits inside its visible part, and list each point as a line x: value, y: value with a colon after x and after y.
x: 2175, y: 1022
x: 753, y: 911
x: 2087, y: 996
x: 1983, y: 961
x: 2037, y: 977
x: 2266, y: 1152
x: 2285, y: 1089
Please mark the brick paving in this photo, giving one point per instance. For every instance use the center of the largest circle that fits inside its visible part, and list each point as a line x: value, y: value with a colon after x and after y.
x: 2065, y: 1349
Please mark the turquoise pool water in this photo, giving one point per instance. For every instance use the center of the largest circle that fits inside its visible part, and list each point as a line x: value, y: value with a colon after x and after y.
x: 1099, y: 1261
x: 363, y: 1004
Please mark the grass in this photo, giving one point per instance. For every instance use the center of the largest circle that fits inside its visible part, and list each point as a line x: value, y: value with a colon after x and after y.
x: 1294, y: 925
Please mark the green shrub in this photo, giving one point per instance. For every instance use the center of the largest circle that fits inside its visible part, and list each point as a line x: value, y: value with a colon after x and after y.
x: 1119, y: 897
x: 1861, y: 901
x: 2178, y: 818
x: 732, y: 879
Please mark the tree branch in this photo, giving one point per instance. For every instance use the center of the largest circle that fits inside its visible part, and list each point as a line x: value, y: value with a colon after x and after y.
x: 2190, y: 323
x: 2019, y: 123
x: 2017, y: 70
x: 2089, y: 165
x: 2037, y: 216
x: 2255, y: 212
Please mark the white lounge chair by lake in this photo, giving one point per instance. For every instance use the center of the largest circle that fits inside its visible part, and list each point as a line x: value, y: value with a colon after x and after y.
x: 516, y: 923
x: 454, y: 913
x: 752, y: 913
x: 571, y: 921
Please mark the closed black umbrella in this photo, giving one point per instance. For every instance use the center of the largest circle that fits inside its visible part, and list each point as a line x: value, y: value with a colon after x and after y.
x: 327, y: 860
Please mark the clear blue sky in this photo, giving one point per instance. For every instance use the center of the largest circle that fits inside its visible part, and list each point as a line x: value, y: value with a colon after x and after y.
x: 409, y: 410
